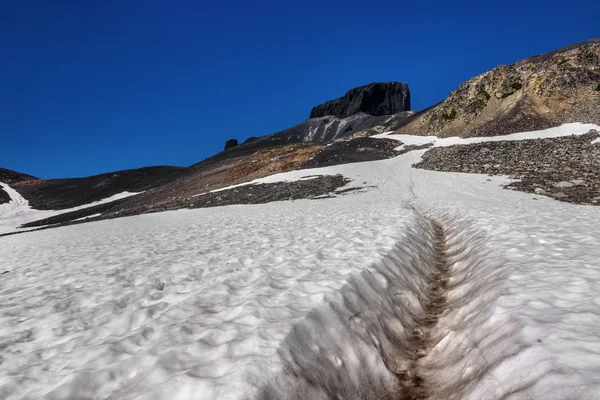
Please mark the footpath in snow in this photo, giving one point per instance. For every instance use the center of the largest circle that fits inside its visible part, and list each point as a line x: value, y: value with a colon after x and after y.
x: 431, y: 285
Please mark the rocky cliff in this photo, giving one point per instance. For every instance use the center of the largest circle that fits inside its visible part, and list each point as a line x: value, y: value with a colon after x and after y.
x: 363, y: 109
x: 536, y: 93
x: 374, y: 99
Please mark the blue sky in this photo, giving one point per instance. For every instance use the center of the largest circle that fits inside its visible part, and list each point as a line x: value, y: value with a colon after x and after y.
x: 91, y: 87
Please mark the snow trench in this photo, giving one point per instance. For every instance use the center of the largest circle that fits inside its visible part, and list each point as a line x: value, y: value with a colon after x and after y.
x: 392, y: 331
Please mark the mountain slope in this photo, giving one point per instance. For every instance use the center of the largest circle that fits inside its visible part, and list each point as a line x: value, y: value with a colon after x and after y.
x: 536, y: 93
x: 8, y: 176
x: 57, y: 194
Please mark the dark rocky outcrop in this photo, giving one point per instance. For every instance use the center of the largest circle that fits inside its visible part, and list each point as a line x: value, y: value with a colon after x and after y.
x: 352, y: 151
x: 231, y: 143
x: 4, y: 197
x: 375, y: 99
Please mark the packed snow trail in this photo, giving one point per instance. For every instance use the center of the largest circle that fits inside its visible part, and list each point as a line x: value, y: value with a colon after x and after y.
x: 384, y: 335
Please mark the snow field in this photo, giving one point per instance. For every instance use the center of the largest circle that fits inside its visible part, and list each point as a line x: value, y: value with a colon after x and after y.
x: 310, y: 299
x: 181, y: 305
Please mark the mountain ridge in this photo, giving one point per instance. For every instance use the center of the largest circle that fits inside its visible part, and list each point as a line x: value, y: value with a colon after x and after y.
x: 531, y: 94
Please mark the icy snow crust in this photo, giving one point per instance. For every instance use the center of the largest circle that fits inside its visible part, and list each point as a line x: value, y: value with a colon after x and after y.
x: 310, y: 299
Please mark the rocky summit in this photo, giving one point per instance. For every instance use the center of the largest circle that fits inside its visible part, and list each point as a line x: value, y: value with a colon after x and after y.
x: 362, y: 110
x: 374, y: 99
x: 533, y: 94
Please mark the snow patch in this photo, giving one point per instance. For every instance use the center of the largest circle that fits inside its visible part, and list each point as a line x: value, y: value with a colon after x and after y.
x: 18, y: 212
x: 563, y: 130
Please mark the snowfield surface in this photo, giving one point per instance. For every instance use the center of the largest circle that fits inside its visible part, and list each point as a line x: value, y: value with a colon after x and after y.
x: 311, y: 299
x: 18, y: 212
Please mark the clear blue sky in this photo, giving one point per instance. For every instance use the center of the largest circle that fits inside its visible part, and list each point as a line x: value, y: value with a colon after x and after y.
x: 94, y: 86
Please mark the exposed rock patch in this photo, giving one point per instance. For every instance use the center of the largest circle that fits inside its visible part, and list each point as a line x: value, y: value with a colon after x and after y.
x: 374, y: 99
x: 351, y: 151
x: 4, y: 197
x: 565, y: 168
x: 322, y: 185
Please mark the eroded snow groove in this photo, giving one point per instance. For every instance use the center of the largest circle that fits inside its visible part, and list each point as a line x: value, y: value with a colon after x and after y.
x: 389, y: 333
x: 419, y: 341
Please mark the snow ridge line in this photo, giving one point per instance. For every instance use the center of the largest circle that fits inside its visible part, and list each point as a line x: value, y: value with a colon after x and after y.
x: 419, y: 340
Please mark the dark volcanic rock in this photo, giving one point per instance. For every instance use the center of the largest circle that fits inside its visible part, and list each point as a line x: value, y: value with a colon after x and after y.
x: 565, y: 168
x: 374, y: 99
x: 269, y: 192
x: 4, y: 197
x: 355, y: 150
x: 231, y: 143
